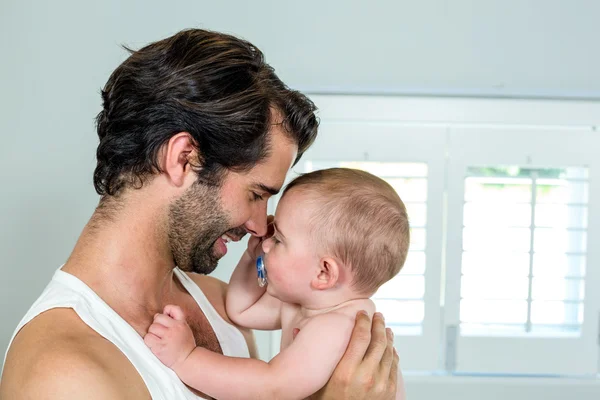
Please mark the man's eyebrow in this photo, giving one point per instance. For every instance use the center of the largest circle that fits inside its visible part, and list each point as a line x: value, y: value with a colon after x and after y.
x: 268, y: 189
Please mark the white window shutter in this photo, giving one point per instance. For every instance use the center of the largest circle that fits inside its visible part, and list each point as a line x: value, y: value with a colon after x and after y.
x: 518, y: 259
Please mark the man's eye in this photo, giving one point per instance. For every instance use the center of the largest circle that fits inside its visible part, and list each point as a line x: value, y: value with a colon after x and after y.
x: 256, y: 196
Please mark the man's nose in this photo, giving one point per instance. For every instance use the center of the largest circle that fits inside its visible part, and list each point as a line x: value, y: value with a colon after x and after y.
x: 257, y: 224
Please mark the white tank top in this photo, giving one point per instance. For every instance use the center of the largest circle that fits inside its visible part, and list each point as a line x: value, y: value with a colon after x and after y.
x: 67, y: 291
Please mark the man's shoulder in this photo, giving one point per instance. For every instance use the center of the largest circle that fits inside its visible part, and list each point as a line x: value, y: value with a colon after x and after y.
x: 52, y: 329
x: 214, y: 289
x: 208, y: 281
x: 57, y: 353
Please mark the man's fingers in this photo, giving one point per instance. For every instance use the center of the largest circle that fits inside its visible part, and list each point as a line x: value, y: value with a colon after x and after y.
x: 396, y: 378
x: 174, y: 312
x: 388, y: 354
x: 394, y: 367
x: 378, y: 342
x: 359, y: 341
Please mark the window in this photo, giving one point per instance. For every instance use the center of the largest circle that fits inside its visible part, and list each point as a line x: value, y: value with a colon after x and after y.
x: 518, y: 296
x: 524, y: 250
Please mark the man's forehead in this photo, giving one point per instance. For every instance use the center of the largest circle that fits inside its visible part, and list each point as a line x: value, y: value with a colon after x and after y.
x: 268, y: 175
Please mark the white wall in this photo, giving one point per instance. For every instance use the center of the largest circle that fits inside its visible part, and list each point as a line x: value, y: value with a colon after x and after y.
x: 55, y: 56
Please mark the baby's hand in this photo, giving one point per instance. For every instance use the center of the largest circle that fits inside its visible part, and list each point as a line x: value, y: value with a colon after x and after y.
x: 170, y: 338
x: 254, y: 248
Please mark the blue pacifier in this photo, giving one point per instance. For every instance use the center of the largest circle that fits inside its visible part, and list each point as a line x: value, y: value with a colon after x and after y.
x: 262, y: 272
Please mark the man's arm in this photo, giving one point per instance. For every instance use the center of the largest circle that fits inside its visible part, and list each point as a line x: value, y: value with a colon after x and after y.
x: 61, y: 376
x: 56, y: 356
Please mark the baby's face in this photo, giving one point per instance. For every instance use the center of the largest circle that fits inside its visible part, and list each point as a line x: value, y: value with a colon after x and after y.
x: 291, y: 258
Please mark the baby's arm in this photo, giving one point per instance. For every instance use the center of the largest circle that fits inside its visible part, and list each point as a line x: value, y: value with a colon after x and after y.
x: 297, y: 372
x: 247, y: 303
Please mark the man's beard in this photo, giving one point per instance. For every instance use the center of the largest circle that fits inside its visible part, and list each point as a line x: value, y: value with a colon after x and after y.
x: 196, y: 221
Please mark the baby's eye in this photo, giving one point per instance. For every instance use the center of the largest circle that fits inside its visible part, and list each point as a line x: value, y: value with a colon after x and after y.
x: 275, y: 240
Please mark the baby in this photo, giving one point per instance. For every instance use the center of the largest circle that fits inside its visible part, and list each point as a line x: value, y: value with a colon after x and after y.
x: 337, y: 236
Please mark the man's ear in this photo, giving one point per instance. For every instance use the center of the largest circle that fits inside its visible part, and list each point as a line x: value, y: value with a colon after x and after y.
x: 328, y: 274
x: 178, y: 158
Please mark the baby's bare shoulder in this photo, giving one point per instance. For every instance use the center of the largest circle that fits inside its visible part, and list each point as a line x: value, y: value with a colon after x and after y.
x: 345, y: 315
x: 350, y: 308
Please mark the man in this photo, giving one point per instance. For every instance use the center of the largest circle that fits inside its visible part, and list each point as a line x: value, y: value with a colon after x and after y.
x: 196, y: 133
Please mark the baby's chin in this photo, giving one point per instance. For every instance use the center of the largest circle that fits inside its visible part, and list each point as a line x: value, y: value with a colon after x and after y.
x: 272, y: 291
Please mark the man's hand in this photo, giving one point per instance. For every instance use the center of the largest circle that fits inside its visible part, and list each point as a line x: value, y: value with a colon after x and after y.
x: 170, y: 338
x: 369, y: 368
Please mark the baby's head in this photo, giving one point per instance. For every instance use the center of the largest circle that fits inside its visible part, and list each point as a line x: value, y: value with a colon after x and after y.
x: 340, y: 229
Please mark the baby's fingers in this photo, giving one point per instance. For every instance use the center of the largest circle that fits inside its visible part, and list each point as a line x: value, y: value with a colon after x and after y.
x: 151, y: 340
x: 158, y: 330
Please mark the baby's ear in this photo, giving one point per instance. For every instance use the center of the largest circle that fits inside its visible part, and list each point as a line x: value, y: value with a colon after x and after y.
x: 328, y: 274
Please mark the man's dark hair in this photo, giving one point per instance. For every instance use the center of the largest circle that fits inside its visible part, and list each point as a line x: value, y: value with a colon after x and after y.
x: 214, y: 86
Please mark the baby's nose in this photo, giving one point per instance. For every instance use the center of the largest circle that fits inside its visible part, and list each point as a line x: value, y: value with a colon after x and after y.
x: 266, y: 246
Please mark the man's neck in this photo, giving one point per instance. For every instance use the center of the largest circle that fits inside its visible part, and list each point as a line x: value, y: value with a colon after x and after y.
x: 126, y: 260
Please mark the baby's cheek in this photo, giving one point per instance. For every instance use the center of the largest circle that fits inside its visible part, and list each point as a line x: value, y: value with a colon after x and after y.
x: 287, y: 281
x: 273, y: 274
x: 276, y: 275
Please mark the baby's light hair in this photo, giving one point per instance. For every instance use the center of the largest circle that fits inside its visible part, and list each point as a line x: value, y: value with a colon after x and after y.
x: 360, y: 220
